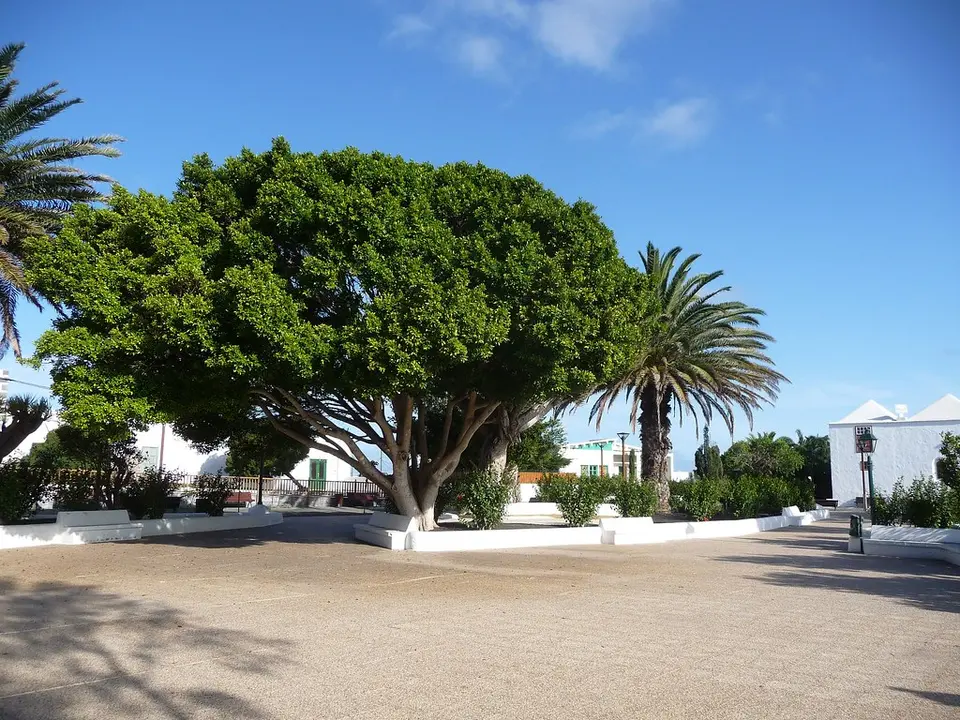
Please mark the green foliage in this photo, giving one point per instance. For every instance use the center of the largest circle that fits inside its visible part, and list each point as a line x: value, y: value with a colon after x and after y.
x: 707, y: 460
x: 483, y: 498
x: 351, y: 289
x: 749, y: 496
x: 22, y: 487
x: 146, y: 496
x: 634, y: 499
x: 763, y: 455
x: 37, y: 188
x: 539, y: 448
x: 948, y: 465
x: 256, y: 442
x: 576, y: 498
x: 702, y: 498
x: 703, y: 357
x: 926, y: 503
x: 213, y: 491
x: 677, y: 491
x: 815, y: 450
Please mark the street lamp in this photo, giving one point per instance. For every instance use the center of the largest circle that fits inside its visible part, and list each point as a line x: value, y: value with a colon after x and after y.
x: 623, y: 453
x: 867, y: 445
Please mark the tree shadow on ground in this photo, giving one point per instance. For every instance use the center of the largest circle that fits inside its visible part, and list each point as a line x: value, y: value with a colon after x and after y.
x: 948, y: 699
x: 70, y: 650
x: 294, y: 529
x: 927, y: 584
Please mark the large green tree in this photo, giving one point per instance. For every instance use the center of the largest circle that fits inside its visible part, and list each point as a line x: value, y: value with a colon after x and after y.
x: 540, y: 447
x: 705, y: 356
x: 707, y: 460
x: 38, y: 189
x: 815, y: 450
x: 256, y: 447
x: 351, y: 293
x: 764, y: 455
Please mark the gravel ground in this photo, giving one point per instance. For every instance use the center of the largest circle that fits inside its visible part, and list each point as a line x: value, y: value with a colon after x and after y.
x: 296, y: 621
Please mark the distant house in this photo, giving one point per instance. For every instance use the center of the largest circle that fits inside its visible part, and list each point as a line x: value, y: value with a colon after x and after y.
x: 907, y: 447
x: 603, y: 456
x: 180, y: 456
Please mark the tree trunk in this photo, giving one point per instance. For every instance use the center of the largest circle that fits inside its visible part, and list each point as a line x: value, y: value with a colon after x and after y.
x: 655, y: 438
x: 407, y: 501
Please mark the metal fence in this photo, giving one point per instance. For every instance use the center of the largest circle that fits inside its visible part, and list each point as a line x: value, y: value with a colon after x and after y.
x: 284, y: 489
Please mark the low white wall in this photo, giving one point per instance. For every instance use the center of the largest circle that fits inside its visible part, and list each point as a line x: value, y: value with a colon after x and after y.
x: 182, y: 525
x: 915, y: 534
x: 545, y: 509
x: 456, y: 540
x: 21, y: 536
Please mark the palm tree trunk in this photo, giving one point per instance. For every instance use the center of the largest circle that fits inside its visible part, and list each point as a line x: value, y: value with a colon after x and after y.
x: 655, y: 438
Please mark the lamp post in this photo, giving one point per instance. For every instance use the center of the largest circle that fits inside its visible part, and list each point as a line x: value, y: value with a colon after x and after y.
x: 623, y: 453
x: 867, y: 444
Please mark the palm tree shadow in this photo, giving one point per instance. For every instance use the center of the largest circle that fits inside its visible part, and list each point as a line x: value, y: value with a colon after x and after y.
x: 948, y: 699
x: 67, y: 649
x: 931, y: 585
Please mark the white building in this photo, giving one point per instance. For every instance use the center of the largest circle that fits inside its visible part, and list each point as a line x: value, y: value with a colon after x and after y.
x: 179, y: 455
x: 907, y: 447
x: 588, y: 457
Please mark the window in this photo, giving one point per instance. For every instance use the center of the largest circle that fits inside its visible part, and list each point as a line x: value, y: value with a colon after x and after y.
x: 318, y: 475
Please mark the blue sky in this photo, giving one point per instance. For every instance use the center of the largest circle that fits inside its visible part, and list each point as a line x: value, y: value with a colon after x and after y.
x: 807, y: 147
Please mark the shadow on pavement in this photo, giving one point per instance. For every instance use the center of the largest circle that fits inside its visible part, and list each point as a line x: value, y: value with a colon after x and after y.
x: 304, y: 529
x: 948, y: 699
x: 927, y: 584
x: 69, y: 650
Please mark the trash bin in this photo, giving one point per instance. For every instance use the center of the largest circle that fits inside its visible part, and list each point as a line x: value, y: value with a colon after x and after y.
x: 855, y: 542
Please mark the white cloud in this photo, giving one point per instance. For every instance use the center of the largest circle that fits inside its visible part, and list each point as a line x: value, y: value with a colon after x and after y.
x: 604, y: 123
x: 409, y: 26
x: 590, y: 32
x: 681, y: 123
x: 481, y: 54
x: 587, y: 33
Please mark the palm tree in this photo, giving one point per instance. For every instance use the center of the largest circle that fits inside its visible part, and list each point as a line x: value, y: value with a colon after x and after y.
x: 704, y: 356
x: 26, y: 414
x: 37, y: 190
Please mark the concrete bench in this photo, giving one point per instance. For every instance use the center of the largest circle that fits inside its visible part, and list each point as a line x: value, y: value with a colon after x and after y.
x: 99, y: 525
x: 945, y: 551
x: 627, y: 531
x: 386, y: 530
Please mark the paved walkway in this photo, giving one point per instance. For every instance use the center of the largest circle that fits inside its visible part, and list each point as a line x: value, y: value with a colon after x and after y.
x: 298, y: 622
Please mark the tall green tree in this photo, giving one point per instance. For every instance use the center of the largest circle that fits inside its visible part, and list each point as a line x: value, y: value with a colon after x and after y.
x: 540, y: 448
x: 705, y: 357
x: 948, y: 464
x: 257, y: 446
x: 346, y: 292
x: 764, y: 455
x: 707, y: 459
x: 37, y: 188
x: 815, y: 450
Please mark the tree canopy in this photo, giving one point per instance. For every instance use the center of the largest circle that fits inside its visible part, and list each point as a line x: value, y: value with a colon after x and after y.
x: 763, y: 455
x: 345, y: 292
x: 258, y: 445
x: 540, y: 448
x: 37, y: 188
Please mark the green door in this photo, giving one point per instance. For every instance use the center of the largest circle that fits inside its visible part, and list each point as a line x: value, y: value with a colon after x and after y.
x: 318, y: 475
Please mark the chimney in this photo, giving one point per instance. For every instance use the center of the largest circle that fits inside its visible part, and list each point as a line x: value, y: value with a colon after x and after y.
x: 901, y: 411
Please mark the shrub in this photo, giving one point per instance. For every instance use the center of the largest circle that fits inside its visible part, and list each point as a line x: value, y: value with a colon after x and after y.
x: 213, y: 491
x: 483, y: 497
x: 22, y: 487
x: 703, y: 497
x: 74, y: 490
x: 926, y: 503
x: 576, y: 498
x: 678, y: 489
x: 147, y: 495
x: 634, y: 499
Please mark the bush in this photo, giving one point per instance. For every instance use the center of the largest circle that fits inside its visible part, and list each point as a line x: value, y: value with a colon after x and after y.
x: 678, y: 489
x: 634, y: 499
x: 756, y: 496
x: 483, y: 497
x: 147, y: 495
x: 703, y: 498
x: 576, y: 498
x: 22, y: 487
x: 74, y: 490
x: 926, y: 503
x: 213, y: 491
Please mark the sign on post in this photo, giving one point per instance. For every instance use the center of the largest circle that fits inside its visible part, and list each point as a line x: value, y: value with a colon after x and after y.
x: 862, y: 446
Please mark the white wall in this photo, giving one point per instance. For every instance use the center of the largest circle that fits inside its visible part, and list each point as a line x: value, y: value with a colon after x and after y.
x: 905, y: 449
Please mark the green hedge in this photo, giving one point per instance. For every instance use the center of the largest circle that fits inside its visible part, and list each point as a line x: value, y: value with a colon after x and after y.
x: 745, y: 497
x: 926, y: 503
x: 576, y: 498
x: 634, y: 499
